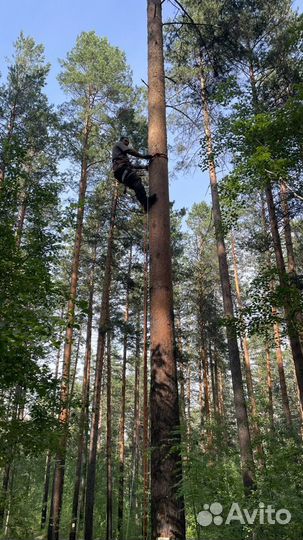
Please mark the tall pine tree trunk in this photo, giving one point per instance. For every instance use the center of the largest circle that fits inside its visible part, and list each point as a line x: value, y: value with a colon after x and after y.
x: 232, y: 343
x: 145, y: 392
x: 167, y: 509
x: 83, y: 422
x: 123, y: 400
x: 57, y: 495
x: 292, y: 329
x: 102, y: 331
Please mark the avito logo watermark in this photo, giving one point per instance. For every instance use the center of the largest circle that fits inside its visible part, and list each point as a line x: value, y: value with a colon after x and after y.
x: 212, y: 514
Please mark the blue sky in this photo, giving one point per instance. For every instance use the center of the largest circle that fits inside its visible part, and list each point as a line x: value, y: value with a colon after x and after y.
x: 56, y: 24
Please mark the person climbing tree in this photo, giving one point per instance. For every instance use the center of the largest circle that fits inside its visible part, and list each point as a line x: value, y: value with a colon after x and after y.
x: 124, y: 171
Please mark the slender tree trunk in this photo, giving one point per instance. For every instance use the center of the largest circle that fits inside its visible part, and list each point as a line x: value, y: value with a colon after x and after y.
x: 216, y: 380
x: 291, y: 260
x: 246, y: 354
x: 269, y: 388
x: 283, y: 386
x: 75, y: 367
x: 46, y: 488
x: 9, y: 504
x: 201, y: 392
x: 5, y: 492
x: 83, y: 422
x: 181, y: 370
x: 122, y: 415
x: 213, y: 382
x: 287, y: 230
x: 9, y: 136
x: 109, y: 472
x: 290, y: 316
x: 103, y: 328
x: 136, y: 431
x: 221, y: 395
x: 101, y: 419
x: 232, y: 343
x: 167, y: 509
x: 47, y: 473
x: 204, y: 360
x: 188, y: 402
x: 54, y: 520
x: 21, y: 219
x: 145, y: 392
x: 249, y: 379
x: 277, y: 337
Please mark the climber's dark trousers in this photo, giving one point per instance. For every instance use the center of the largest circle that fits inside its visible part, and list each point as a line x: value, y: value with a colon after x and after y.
x: 131, y: 180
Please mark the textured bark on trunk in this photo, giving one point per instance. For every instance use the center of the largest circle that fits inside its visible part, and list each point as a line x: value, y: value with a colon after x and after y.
x: 57, y: 496
x: 83, y: 422
x: 145, y: 392
x: 102, y: 331
x: 232, y: 343
x: 123, y: 400
x: 167, y: 509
